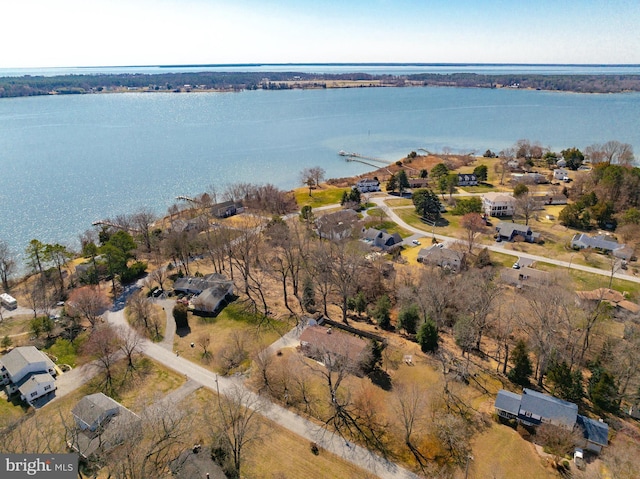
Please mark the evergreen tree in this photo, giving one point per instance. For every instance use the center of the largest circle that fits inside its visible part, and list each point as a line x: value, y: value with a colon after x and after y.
x: 392, y: 184
x: 602, y: 388
x: 408, y: 319
x: 567, y: 384
x: 427, y: 204
x: 481, y: 172
x: 521, y: 369
x: 309, y: 295
x: 381, y: 312
x: 428, y: 336
x: 403, y: 181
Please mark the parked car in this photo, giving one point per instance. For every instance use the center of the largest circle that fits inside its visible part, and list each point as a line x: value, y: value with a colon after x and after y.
x: 516, y: 265
x: 416, y: 242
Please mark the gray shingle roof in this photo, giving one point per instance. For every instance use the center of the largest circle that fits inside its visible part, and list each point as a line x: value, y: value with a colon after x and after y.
x: 197, y: 285
x: 508, y: 401
x: 594, y: 431
x: 551, y: 409
x: 90, y: 408
x: 23, y: 356
x: 30, y: 383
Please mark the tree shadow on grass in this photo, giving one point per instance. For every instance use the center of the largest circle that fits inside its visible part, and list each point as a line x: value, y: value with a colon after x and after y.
x: 183, y: 332
x: 381, y: 379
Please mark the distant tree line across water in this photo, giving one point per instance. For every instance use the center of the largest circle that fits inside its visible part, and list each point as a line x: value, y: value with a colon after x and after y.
x: 230, y: 81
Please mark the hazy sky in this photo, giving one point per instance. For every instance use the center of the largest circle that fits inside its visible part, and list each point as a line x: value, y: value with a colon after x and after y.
x: 39, y: 33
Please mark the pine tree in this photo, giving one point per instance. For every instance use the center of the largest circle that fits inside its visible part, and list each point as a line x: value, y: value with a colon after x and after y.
x: 381, y: 312
x: 521, y: 369
x: 428, y: 336
x: 309, y: 295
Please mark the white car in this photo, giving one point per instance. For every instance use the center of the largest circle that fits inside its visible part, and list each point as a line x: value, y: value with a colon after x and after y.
x: 516, y: 265
x: 416, y: 242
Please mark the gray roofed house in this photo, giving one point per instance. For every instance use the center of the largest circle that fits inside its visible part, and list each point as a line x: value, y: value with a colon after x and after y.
x: 508, y: 231
x: 226, y: 209
x: 380, y: 238
x: 210, y: 291
x: 602, y: 242
x: 93, y: 410
x: 595, y: 432
x: 102, y: 424
x: 443, y: 257
x: 524, y: 276
x: 533, y: 409
x: 338, y: 225
x: 212, y: 298
x: 18, y: 367
x: 196, y: 285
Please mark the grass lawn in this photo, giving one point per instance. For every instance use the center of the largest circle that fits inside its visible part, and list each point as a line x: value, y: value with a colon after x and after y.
x: 323, y: 196
x: 501, y: 452
x: 231, y: 331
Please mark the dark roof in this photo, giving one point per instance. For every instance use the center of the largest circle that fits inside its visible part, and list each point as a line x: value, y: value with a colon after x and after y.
x: 551, y: 409
x: 197, y: 285
x: 210, y: 299
x: 594, y: 431
x: 508, y: 401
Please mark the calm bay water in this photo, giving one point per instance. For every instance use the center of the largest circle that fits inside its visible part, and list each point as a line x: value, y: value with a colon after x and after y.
x: 66, y: 161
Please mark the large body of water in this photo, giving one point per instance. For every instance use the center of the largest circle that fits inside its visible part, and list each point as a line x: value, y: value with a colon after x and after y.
x: 66, y: 161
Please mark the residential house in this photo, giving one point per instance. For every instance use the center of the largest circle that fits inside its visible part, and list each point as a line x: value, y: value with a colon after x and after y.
x: 226, y: 209
x: 210, y: 292
x: 338, y: 225
x: 467, y: 179
x: 380, y: 238
x: 509, y: 231
x: 28, y: 371
x: 213, y: 298
x: 498, y: 204
x: 610, y: 296
x: 532, y: 408
x: 418, y: 183
x: 551, y: 199
x: 529, y: 178
x: 445, y: 258
x: 561, y: 163
x: 561, y: 174
x: 366, y: 185
x: 329, y: 345
x: 604, y: 243
x: 101, y: 424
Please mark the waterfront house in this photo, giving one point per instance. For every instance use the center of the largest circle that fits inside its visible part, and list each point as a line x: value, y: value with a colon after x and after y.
x: 532, y: 409
x: 226, y: 209
x: 366, y: 185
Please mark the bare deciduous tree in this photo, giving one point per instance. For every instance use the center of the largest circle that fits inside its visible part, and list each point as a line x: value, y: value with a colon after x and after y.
x: 87, y: 302
x: 103, y: 345
x: 7, y: 264
x: 236, y: 424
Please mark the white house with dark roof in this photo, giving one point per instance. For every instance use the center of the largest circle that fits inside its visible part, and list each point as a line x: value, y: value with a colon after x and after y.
x: 467, y: 179
x: 366, y: 185
x: 28, y: 371
x: 532, y: 408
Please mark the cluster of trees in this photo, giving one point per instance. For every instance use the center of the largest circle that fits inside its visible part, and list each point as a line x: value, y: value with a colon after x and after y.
x: 69, y: 84
x: 608, y: 196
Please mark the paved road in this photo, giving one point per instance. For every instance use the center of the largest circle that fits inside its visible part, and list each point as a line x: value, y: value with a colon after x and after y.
x: 380, y: 201
x: 356, y: 455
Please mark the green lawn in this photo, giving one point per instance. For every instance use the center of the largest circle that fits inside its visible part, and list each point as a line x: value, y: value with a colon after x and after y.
x: 327, y: 195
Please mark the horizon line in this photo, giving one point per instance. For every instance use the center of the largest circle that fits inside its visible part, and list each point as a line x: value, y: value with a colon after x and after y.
x: 366, y: 64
